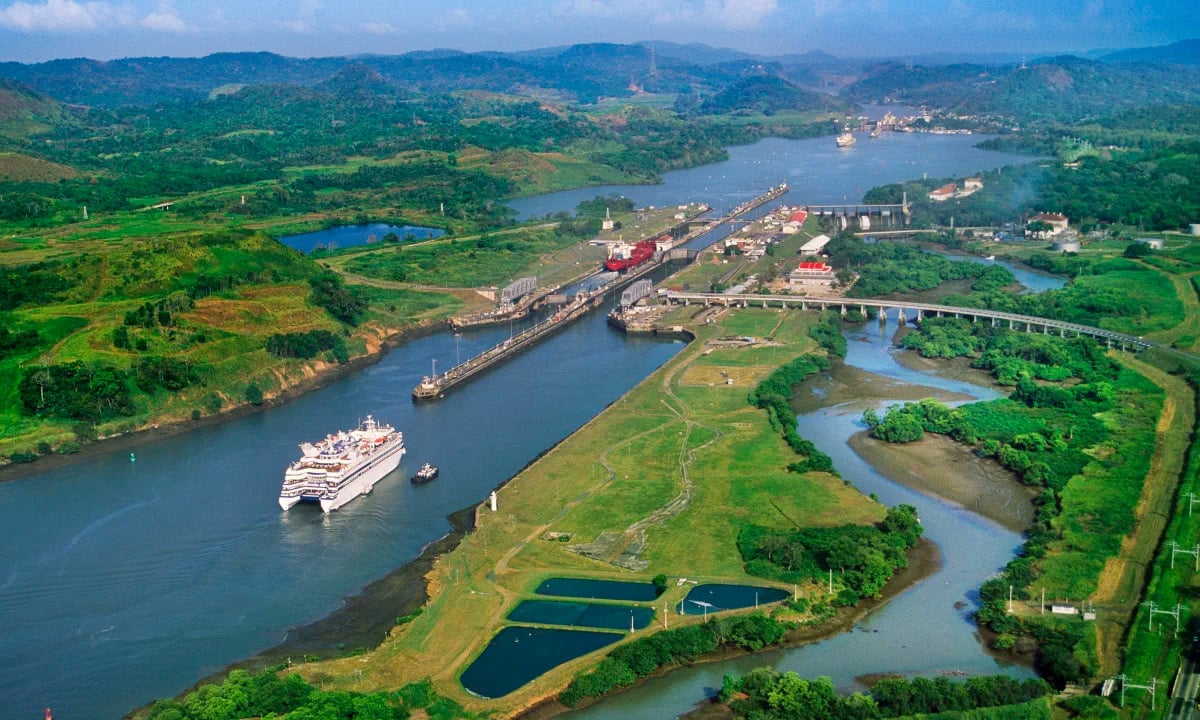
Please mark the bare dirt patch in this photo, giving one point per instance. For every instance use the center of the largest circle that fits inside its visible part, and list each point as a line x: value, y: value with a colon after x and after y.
x: 937, y: 465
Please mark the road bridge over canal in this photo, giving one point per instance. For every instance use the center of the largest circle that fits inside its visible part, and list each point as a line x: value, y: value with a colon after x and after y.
x: 1027, y: 323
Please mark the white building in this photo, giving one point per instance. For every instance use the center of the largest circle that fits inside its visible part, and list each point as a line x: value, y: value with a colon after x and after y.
x: 814, y: 246
x: 1057, y: 222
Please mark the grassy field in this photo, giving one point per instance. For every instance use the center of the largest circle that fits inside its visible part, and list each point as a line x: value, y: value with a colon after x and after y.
x: 667, y: 475
x: 223, y: 335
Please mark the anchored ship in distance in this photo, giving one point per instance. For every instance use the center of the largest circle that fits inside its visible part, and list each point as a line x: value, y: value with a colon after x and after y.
x: 341, y: 467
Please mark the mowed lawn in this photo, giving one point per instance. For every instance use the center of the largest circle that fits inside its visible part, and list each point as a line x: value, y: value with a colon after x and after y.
x: 672, y: 436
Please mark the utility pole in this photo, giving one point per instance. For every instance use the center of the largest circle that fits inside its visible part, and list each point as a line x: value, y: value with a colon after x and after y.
x: 1194, y: 552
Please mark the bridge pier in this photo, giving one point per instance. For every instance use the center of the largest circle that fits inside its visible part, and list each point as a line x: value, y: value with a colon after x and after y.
x: 843, y: 309
x: 920, y: 315
x: 1011, y: 325
x: 995, y: 322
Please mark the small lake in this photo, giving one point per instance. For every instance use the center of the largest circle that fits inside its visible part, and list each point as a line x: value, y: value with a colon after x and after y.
x: 344, y: 236
x: 715, y: 597
x: 577, y: 614
x: 517, y: 655
x: 598, y: 589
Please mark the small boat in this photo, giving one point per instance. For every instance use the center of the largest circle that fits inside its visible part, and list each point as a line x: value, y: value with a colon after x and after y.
x: 425, y: 474
x: 990, y: 257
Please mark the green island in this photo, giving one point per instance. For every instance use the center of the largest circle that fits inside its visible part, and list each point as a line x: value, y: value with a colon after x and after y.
x: 142, y: 286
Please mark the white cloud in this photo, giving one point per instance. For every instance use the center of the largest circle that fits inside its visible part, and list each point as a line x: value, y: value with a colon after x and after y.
x: 164, y: 19
x: 62, y: 15
x: 379, y: 28
x: 454, y: 18
x: 73, y: 16
x: 306, y: 15
x: 738, y: 14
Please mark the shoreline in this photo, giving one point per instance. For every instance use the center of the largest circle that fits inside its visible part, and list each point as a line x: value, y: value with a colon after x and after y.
x: 165, y: 429
x: 369, y: 614
x: 923, y: 561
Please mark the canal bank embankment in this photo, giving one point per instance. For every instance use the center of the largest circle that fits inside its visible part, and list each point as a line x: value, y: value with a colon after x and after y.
x: 324, y: 374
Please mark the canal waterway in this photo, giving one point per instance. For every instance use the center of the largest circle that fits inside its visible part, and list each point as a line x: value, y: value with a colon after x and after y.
x: 815, y: 169
x: 125, y: 581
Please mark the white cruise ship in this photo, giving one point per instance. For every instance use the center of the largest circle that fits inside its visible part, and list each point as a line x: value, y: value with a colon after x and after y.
x: 341, y: 467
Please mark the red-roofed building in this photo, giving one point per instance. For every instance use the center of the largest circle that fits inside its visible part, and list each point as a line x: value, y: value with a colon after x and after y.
x: 1057, y: 222
x: 811, y: 276
x: 943, y: 193
x: 798, y: 216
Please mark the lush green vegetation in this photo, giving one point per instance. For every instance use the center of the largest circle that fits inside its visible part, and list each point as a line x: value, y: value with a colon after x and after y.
x: 306, y: 345
x: 774, y: 395
x: 1155, y: 188
x: 863, y: 556
x: 1148, y: 652
x: 1123, y: 296
x: 638, y: 659
x: 766, y: 95
x: 767, y: 694
x: 112, y: 337
x: 491, y: 259
x: 267, y: 694
x: 1087, y: 442
x: 889, y: 268
x: 1060, y: 89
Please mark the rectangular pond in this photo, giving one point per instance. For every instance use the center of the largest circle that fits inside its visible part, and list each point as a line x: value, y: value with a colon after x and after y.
x: 578, y: 614
x: 598, y: 589
x: 517, y: 655
x: 715, y: 597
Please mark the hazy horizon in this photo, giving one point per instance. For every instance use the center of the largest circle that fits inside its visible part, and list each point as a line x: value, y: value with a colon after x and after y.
x: 41, y: 30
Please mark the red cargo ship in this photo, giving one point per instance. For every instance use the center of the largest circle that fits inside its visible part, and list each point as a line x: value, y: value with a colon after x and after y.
x: 624, y: 257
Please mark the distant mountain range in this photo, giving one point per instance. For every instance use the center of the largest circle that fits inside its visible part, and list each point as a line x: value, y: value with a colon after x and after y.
x: 718, y: 79
x: 1184, y: 52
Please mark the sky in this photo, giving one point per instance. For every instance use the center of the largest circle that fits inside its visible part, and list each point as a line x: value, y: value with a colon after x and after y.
x: 40, y: 30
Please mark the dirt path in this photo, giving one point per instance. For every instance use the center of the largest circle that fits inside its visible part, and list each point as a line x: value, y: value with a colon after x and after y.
x: 1123, y: 578
x: 1190, y: 326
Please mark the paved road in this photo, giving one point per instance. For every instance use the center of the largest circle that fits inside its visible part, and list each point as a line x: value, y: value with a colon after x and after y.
x: 1183, y: 703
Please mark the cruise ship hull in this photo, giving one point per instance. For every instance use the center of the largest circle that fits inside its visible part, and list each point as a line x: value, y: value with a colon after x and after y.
x: 361, y: 484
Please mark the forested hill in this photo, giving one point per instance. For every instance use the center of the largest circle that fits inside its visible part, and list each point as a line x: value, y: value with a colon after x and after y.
x: 769, y: 94
x: 1184, y: 52
x: 24, y: 112
x: 1063, y: 89
x: 580, y: 73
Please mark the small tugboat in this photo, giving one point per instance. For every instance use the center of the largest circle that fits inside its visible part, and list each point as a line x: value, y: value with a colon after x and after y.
x: 425, y: 474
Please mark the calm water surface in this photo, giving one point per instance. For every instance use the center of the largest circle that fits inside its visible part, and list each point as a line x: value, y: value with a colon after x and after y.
x: 122, y: 582
x: 344, y: 236
x: 815, y: 169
